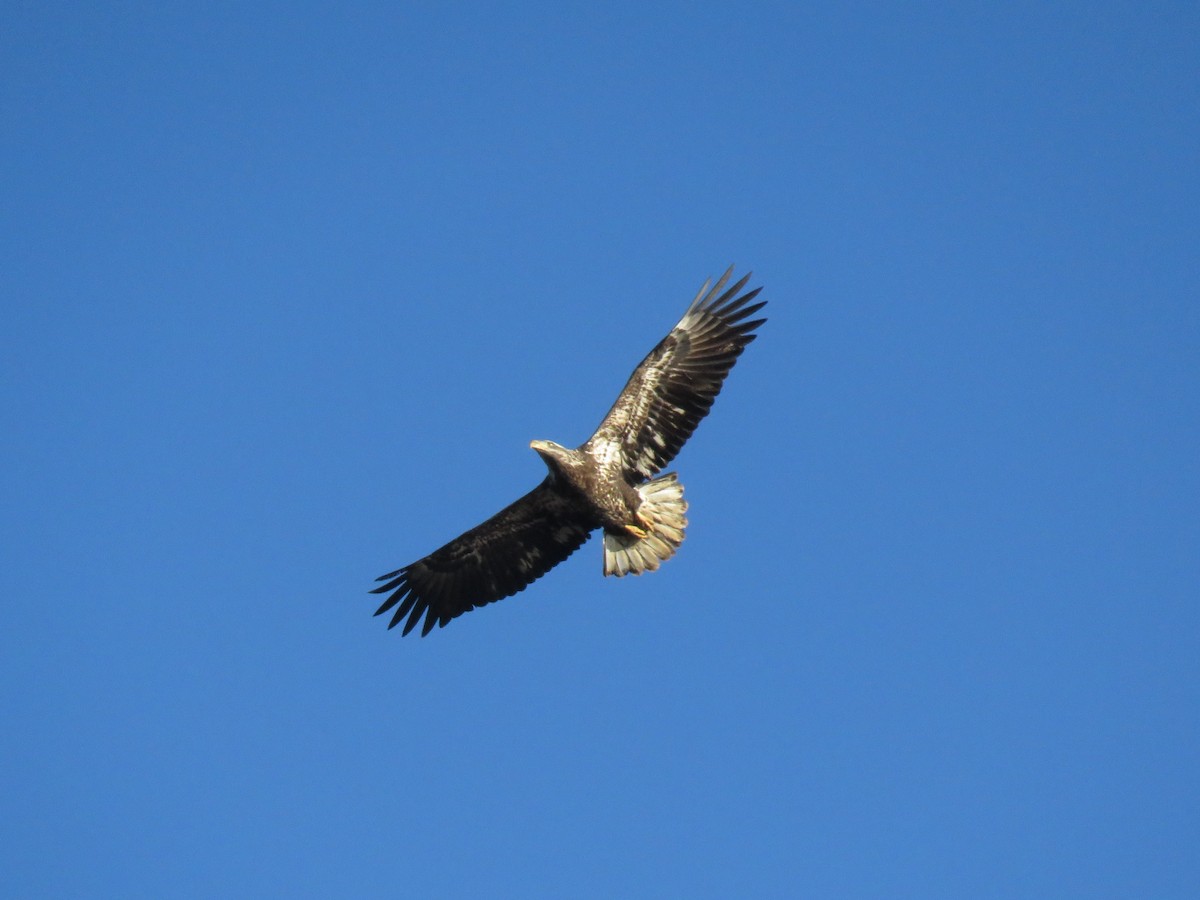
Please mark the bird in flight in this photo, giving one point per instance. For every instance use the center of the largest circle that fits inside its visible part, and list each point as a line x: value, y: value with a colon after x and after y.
x: 610, y: 482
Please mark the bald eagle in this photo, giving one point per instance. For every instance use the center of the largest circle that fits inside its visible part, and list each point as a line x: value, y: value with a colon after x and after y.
x: 608, y: 482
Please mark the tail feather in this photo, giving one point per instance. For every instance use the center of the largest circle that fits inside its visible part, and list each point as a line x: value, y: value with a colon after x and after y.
x: 663, y: 505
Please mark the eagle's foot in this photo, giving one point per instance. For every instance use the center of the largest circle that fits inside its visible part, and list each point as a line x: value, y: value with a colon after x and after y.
x: 645, y: 525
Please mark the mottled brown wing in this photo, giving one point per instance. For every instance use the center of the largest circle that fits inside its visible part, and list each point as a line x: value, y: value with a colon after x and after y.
x: 676, y: 384
x: 505, y: 554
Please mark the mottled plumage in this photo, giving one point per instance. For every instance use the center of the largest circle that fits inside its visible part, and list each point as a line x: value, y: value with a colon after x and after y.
x: 609, y: 482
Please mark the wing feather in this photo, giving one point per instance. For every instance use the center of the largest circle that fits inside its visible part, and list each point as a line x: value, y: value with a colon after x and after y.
x: 505, y: 554
x: 674, y: 387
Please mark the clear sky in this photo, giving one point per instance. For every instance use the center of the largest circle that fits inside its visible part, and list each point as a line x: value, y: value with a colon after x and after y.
x: 288, y: 289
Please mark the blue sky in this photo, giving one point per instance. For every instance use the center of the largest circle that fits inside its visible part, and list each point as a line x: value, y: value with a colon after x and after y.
x: 288, y: 289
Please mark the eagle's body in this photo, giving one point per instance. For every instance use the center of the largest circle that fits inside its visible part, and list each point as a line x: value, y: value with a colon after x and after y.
x: 598, y: 490
x: 608, y: 482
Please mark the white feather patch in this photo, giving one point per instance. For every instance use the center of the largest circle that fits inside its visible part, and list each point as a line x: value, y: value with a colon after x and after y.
x: 664, y: 506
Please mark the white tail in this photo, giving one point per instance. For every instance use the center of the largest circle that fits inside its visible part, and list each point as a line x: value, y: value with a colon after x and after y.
x: 663, y: 507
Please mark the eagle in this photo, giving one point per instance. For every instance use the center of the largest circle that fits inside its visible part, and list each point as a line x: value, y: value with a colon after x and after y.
x: 610, y: 482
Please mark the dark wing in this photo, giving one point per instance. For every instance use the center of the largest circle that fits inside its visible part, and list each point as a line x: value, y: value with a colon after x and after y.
x: 675, y: 386
x: 513, y: 548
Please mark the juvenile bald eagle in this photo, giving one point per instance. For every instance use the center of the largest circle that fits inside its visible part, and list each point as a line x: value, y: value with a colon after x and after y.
x: 609, y: 482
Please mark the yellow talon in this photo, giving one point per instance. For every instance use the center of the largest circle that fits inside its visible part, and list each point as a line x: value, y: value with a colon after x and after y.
x: 637, y: 532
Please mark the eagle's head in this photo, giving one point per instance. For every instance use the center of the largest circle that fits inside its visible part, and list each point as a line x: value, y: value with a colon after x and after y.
x: 549, y: 449
x: 555, y: 456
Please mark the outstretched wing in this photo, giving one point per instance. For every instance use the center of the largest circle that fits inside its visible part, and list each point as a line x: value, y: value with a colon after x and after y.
x: 513, y: 548
x: 676, y: 384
